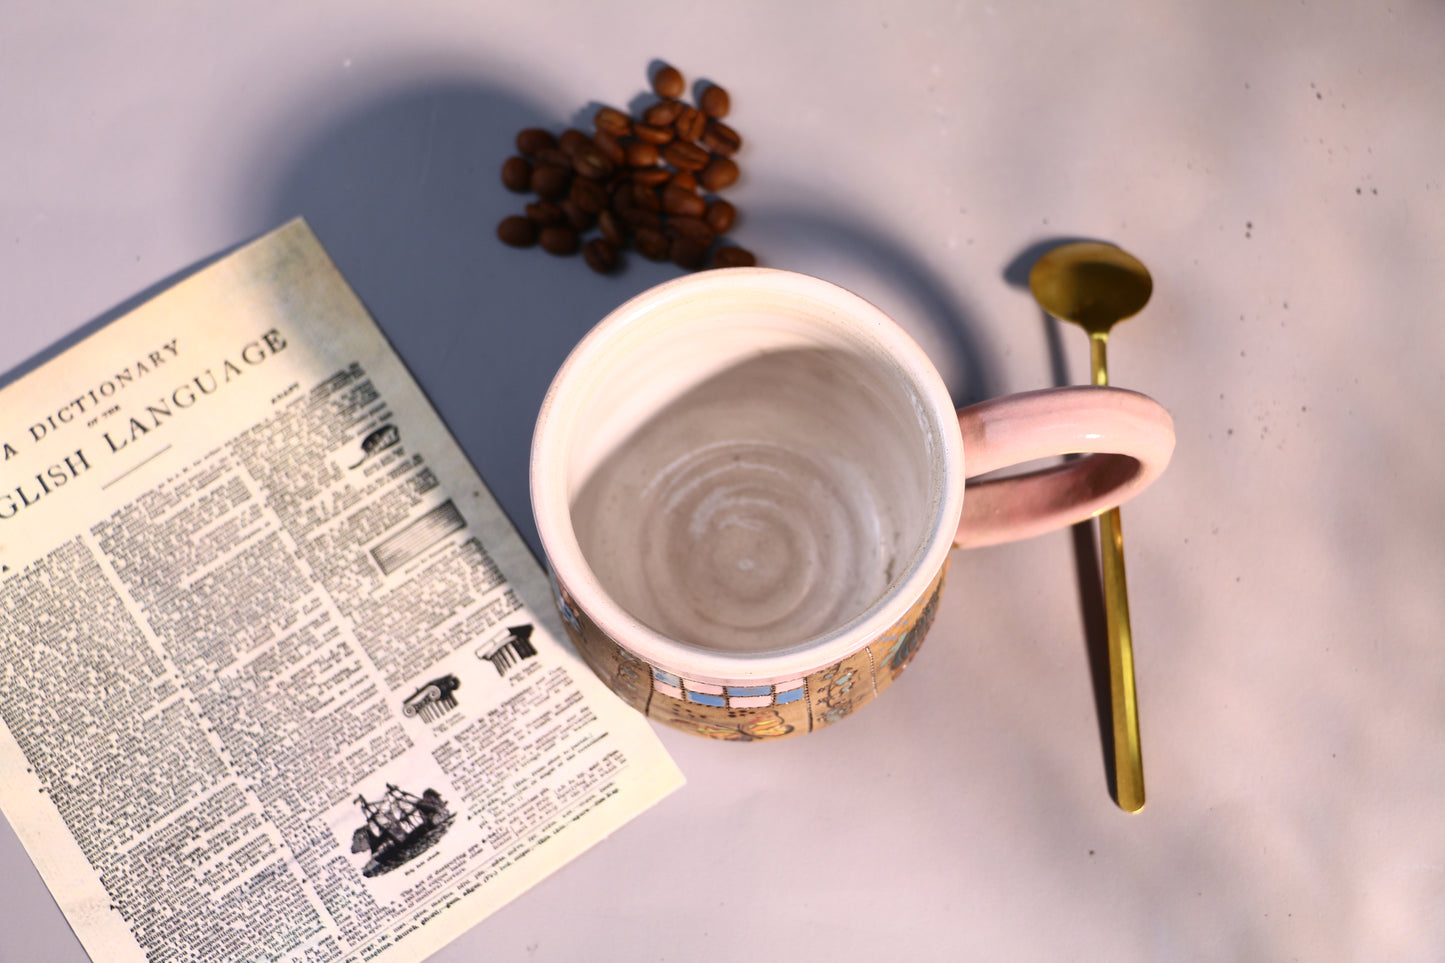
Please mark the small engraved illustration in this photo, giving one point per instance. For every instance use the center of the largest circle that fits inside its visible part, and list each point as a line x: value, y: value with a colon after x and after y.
x: 416, y: 537
x: 378, y: 441
x: 433, y: 700
x: 517, y: 646
x: 399, y: 827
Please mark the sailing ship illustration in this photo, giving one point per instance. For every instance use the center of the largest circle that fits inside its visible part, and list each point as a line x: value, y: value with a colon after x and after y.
x: 399, y: 827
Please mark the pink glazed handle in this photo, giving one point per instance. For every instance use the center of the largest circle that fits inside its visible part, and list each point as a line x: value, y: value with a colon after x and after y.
x: 1128, y: 437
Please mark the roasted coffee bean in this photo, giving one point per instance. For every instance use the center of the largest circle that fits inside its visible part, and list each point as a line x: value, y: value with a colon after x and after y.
x: 642, y: 154
x: 689, y: 252
x: 652, y: 134
x: 725, y: 257
x: 534, y: 139
x: 601, y: 256
x: 610, y: 147
x: 517, y: 174
x: 719, y: 173
x: 550, y: 181
x: 555, y: 156
x: 650, y: 176
x: 591, y: 162
x: 560, y: 241
x: 641, y: 219
x: 614, y: 121
x: 686, y: 157
x: 571, y: 140
x: 517, y: 231
x: 611, y: 227
x: 646, y: 197
x: 715, y: 101
x: 690, y: 123
x: 721, y: 139
x: 688, y: 227
x: 546, y: 214
x: 686, y: 180
x: 662, y: 113
x: 651, y: 244
x: 623, y: 198
x: 720, y: 216
x: 668, y: 82
x: 676, y: 200
x: 589, y: 195
x: 577, y: 218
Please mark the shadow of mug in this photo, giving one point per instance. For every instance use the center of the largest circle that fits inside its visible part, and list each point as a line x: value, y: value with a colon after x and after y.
x: 402, y: 187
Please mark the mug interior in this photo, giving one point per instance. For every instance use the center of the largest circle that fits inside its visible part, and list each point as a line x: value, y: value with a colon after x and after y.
x: 742, y: 473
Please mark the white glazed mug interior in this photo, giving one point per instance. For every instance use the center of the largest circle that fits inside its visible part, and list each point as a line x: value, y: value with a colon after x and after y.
x: 810, y: 380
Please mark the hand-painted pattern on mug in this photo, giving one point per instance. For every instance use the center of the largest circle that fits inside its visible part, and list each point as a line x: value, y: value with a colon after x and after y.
x: 767, y: 725
x: 901, y: 651
x: 752, y: 712
x: 622, y: 671
x: 565, y: 606
x: 842, y: 688
x: 729, y: 696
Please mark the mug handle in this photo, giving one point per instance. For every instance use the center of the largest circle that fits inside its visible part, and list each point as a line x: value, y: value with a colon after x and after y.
x: 1128, y: 438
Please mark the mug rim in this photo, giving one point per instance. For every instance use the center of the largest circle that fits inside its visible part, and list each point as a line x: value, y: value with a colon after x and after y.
x: 552, y: 511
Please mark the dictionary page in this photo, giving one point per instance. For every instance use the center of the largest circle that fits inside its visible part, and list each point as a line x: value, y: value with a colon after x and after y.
x: 280, y: 680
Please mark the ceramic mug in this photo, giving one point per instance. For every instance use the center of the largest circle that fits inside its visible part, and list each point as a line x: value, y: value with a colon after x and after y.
x: 747, y: 483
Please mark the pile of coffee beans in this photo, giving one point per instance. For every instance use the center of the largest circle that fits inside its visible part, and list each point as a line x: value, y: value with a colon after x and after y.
x: 648, y: 182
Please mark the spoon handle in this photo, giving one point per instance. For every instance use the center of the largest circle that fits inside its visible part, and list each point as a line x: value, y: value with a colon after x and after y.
x: 1128, y: 755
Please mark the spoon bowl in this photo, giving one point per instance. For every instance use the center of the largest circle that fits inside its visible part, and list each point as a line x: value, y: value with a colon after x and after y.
x: 1092, y: 284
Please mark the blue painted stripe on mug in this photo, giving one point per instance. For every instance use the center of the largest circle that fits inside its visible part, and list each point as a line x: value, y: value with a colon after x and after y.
x: 702, y: 698
x: 785, y: 697
x: 750, y: 690
x: 666, y: 677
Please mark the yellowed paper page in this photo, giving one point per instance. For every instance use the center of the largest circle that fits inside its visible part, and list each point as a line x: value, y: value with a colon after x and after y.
x: 280, y: 680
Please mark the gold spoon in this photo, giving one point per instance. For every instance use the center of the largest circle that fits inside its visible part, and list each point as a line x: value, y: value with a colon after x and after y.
x: 1095, y: 286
